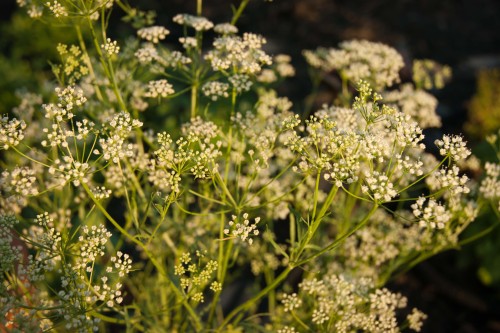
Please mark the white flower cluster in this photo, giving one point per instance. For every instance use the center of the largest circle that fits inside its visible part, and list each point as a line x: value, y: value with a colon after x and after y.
x: 291, y: 302
x: 373, y: 248
x: 360, y: 60
x: 240, y: 82
x: 242, y: 55
x: 267, y: 75
x: 188, y: 42
x: 56, y: 8
x: 448, y: 179
x: 407, y: 132
x: 48, y: 241
x: 84, y: 128
x: 195, y: 152
x: 68, y: 98
x: 379, y: 187
x: 198, y: 23
x: 101, y: 192
x: 153, y: 34
x: 11, y: 132
x: 159, y: 88
x: 56, y: 136
x: 175, y: 59
x: 74, y: 312
x: 16, y: 186
x: 44, y: 220
x: 59, y: 133
x: 453, y: 146
x: 215, y: 89
x: 75, y: 293
x: 115, y: 147
x: 110, y: 47
x: 121, y: 263
x: 146, y: 54
x: 243, y: 229
x: 340, y: 304
x: 433, y: 215
x: 490, y: 185
x: 91, y: 244
x: 420, y: 105
x: 415, y: 319
x: 325, y: 147
x: 283, y: 65
x: 70, y: 170
x: 281, y: 68
x: 225, y: 29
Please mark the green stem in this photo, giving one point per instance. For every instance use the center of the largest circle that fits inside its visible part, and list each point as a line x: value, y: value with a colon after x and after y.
x: 106, y: 65
x: 199, y: 6
x: 424, y: 176
x: 89, y: 63
x: 29, y: 158
x: 239, y: 11
x: 155, y: 262
x: 339, y: 240
x: 315, y: 196
x: 194, y: 99
x: 317, y: 219
x: 251, y: 302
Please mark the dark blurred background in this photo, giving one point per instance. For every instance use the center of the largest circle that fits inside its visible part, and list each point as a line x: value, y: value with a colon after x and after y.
x: 460, y: 291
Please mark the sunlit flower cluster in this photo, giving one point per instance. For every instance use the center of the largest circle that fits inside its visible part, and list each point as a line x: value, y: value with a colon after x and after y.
x: 453, y: 147
x: 242, y: 55
x: 360, y: 60
x: 127, y: 204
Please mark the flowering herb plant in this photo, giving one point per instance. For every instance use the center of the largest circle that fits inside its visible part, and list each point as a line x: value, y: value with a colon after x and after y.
x: 241, y: 217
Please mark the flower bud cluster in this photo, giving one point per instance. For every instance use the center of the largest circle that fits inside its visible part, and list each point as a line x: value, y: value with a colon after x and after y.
x: 74, y: 63
x: 196, y: 276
